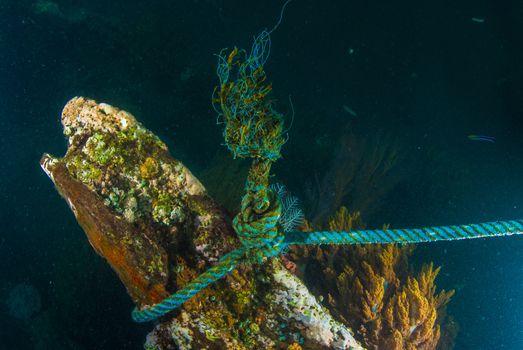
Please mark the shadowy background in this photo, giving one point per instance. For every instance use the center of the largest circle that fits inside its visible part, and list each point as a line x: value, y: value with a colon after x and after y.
x: 424, y: 74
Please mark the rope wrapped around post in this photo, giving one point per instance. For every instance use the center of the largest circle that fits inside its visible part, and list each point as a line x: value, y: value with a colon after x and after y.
x: 254, y: 130
x: 272, y: 248
x: 259, y: 232
x: 225, y: 265
x: 260, y: 238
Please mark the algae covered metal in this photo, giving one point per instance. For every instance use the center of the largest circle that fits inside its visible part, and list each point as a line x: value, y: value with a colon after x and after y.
x: 154, y: 223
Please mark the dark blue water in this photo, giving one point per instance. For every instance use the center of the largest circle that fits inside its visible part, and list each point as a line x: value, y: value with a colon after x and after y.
x: 424, y: 74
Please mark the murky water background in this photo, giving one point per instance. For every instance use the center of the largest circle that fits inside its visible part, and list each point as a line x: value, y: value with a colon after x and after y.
x: 420, y: 76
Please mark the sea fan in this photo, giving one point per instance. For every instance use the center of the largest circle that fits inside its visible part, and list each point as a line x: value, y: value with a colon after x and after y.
x: 291, y: 214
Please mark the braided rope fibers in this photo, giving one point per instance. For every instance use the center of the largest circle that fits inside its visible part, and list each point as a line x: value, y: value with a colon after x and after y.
x: 272, y: 248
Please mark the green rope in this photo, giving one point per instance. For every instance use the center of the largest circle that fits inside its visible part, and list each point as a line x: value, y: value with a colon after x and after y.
x: 268, y: 248
x: 258, y: 233
x: 226, y: 264
x: 260, y: 238
x: 418, y: 235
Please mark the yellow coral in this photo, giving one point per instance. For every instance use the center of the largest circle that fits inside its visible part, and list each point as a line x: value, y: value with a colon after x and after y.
x: 412, y: 312
x: 344, y: 220
x: 371, y: 288
x: 294, y: 346
x: 149, y: 168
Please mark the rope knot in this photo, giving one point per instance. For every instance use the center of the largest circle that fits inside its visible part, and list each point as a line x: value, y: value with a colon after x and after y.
x: 259, y: 231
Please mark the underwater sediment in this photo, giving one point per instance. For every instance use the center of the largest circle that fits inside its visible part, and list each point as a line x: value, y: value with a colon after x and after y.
x: 157, y: 227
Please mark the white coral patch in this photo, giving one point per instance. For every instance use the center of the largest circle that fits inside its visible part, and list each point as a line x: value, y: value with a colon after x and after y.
x: 302, y: 306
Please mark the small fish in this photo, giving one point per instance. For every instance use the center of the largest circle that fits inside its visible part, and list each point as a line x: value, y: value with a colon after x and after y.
x: 477, y: 20
x: 483, y: 138
x: 349, y: 110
